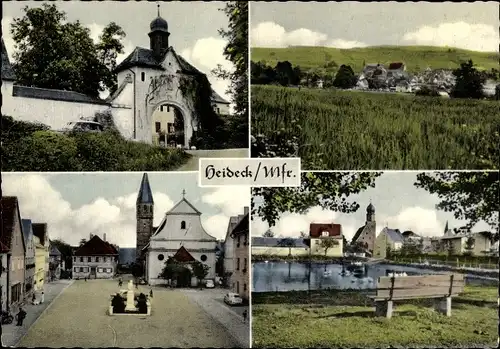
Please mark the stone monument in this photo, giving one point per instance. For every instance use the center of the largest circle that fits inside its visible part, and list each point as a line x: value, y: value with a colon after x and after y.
x: 130, y: 305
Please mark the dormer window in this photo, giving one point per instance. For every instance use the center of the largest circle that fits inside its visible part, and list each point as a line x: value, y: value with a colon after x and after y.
x: 325, y: 234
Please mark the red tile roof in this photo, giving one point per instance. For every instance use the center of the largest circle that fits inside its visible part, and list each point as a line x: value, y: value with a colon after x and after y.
x: 9, y: 208
x: 334, y: 230
x: 96, y: 247
x: 242, y: 227
x: 182, y: 255
x: 40, y: 230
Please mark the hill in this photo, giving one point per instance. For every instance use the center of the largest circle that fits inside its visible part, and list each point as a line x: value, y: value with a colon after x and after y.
x: 416, y: 58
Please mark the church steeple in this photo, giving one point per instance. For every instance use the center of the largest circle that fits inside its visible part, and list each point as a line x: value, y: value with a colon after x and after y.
x: 158, y: 36
x: 144, y: 216
x: 370, y: 213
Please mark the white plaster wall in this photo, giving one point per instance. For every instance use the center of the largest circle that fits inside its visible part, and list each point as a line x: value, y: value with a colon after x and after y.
x: 55, y: 114
x: 223, y: 108
x: 194, y: 229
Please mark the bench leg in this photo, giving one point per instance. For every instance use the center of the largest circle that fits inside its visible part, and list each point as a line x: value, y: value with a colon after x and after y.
x: 383, y: 308
x: 443, y: 306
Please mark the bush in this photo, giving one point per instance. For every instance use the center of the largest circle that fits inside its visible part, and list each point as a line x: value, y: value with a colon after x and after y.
x: 427, y: 91
x: 32, y: 147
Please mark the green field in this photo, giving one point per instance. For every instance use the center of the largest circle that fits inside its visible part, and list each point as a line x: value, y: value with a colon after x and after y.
x: 341, y: 319
x: 416, y: 58
x: 351, y: 130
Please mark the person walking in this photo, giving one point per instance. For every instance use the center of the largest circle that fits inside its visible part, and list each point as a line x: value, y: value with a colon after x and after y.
x: 85, y: 279
x: 245, y: 315
x: 151, y: 293
x: 20, y: 317
x: 42, y: 297
x: 33, y: 298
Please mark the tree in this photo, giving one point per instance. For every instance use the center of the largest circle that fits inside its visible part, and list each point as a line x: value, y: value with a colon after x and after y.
x: 287, y: 242
x: 137, y: 270
x: 286, y: 75
x: 268, y: 234
x: 471, y: 196
x: 83, y: 242
x: 345, y: 77
x: 66, y: 251
x: 469, y: 81
x: 303, y: 235
x: 236, y: 51
x: 328, y: 243
x: 173, y: 271
x: 469, y: 244
x: 219, y: 263
x: 200, y: 271
x: 56, y: 54
x: 328, y: 190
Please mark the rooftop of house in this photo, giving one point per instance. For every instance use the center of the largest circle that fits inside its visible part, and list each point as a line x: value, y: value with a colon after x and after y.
x: 394, y: 234
x: 96, y: 247
x: 316, y: 230
x: 145, y: 195
x: 56, y: 95
x: 10, y: 209
x: 396, y: 65
x: 144, y: 58
x: 242, y: 227
x: 27, y: 231
x: 54, y: 251
x: 40, y: 231
x: 279, y: 242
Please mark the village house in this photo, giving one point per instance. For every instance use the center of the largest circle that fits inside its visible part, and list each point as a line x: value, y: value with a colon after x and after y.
x: 241, y: 274
x: 95, y: 259
x: 365, y: 236
x: 229, y: 246
x: 40, y: 253
x: 13, y: 240
x: 4, y: 276
x: 479, y: 243
x: 319, y: 232
x: 56, y: 263
x: 40, y: 230
x: 29, y: 258
x: 387, y: 239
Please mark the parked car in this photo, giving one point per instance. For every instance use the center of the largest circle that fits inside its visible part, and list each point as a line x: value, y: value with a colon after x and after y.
x: 233, y: 299
x: 83, y: 126
x: 209, y: 284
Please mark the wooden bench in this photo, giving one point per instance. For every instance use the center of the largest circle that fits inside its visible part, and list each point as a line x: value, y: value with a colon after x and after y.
x: 440, y: 287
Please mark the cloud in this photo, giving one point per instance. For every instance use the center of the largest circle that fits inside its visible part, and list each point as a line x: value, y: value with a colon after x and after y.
x: 420, y: 220
x: 475, y: 37
x: 40, y: 202
x: 270, y: 34
x: 206, y: 54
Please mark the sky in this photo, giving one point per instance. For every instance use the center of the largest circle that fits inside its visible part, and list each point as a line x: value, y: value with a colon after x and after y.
x: 192, y: 36
x: 472, y: 26
x: 75, y: 205
x: 398, y: 205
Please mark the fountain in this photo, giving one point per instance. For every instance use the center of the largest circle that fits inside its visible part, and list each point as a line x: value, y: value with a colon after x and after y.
x: 123, y: 303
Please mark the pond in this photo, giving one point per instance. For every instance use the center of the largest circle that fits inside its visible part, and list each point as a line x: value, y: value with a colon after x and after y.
x: 284, y: 276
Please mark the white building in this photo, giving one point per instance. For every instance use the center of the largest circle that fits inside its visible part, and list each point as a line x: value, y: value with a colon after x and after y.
x: 147, y: 79
x: 181, y: 235
x: 4, y: 275
x: 228, y: 243
x: 29, y: 275
x: 96, y: 259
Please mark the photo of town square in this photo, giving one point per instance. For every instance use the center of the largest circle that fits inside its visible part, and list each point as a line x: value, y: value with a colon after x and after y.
x: 376, y: 85
x: 123, y: 86
x: 410, y: 258
x: 123, y: 260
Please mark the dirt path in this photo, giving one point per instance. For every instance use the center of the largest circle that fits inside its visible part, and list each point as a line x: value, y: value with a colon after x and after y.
x: 78, y: 318
x: 192, y: 164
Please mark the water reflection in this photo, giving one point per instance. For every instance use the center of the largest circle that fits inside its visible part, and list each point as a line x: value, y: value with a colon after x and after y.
x: 284, y: 276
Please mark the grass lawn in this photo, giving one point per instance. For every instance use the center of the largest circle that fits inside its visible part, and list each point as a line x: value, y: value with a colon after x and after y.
x: 346, y: 319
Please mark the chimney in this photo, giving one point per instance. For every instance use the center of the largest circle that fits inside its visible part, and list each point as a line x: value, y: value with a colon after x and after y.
x: 245, y: 210
x: 104, y: 237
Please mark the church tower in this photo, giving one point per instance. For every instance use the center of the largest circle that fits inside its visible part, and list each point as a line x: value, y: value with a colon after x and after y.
x: 370, y: 213
x: 158, y: 37
x: 144, y: 216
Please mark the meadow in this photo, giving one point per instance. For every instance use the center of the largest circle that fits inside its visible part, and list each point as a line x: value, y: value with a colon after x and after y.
x: 341, y: 319
x: 416, y: 58
x: 352, y: 130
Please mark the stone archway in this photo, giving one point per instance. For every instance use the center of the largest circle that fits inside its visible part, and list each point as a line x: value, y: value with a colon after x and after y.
x: 164, y: 90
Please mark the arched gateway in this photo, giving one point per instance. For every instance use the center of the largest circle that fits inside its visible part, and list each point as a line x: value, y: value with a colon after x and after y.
x: 157, y: 74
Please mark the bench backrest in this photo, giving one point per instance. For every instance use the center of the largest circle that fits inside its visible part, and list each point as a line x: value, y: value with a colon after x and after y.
x: 420, y: 286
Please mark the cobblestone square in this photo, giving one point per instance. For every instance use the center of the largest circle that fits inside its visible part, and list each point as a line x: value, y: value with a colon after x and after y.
x: 78, y: 318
